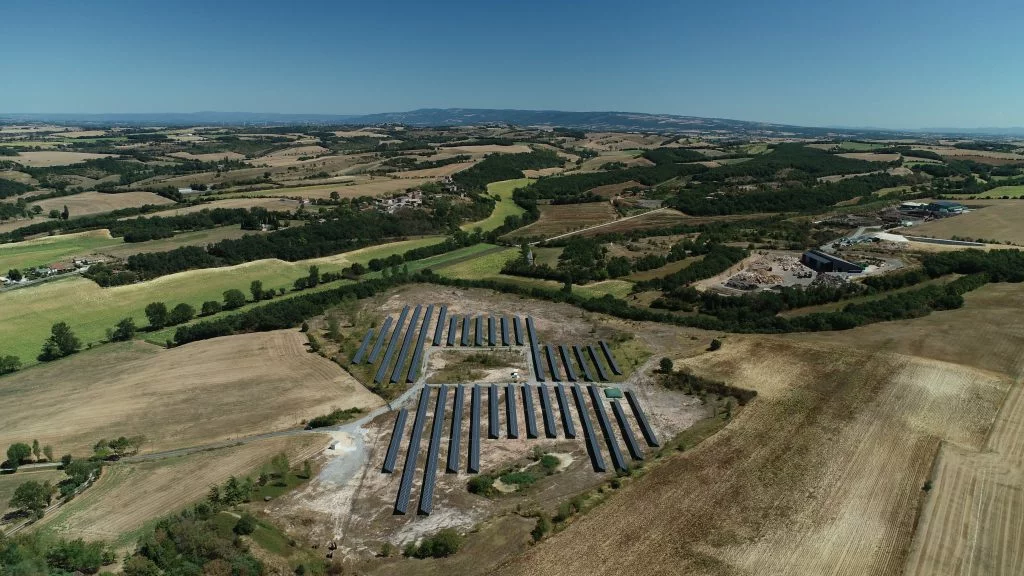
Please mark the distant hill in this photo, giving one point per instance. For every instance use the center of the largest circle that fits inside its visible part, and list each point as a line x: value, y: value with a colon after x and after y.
x: 610, y: 121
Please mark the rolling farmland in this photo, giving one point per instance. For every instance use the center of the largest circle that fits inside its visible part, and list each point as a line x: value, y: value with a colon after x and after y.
x: 50, y: 249
x: 218, y: 387
x: 1002, y: 222
x: 26, y: 315
x: 88, y: 203
x: 502, y: 209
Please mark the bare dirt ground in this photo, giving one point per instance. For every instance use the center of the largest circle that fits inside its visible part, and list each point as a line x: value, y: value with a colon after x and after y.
x: 54, y: 158
x: 561, y: 218
x: 127, y: 496
x: 195, y: 394
x: 88, y: 203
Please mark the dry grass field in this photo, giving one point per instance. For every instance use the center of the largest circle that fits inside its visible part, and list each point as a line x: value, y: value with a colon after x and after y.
x: 871, y: 157
x: 628, y: 157
x: 49, y: 249
x: 353, y: 189
x: 1000, y: 222
x: 609, y: 190
x: 10, y: 482
x: 192, y: 395
x: 129, y: 496
x: 195, y: 238
x: 289, y: 155
x: 436, y: 172
x: 561, y: 218
x: 54, y: 158
x: 822, y: 473
x: 88, y: 203
x: 211, y: 157
x: 272, y: 204
x: 489, y: 149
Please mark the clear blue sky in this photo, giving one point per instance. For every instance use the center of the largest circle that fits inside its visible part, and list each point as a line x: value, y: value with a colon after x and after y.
x: 899, y: 64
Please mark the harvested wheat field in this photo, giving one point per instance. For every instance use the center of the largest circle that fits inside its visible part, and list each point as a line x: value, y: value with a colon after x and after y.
x: 822, y: 473
x: 436, y: 172
x: 54, y: 158
x: 289, y: 155
x: 999, y: 222
x: 203, y: 392
x: 489, y: 149
x: 367, y: 187
x: 561, y: 218
x: 88, y: 203
x: 128, y: 495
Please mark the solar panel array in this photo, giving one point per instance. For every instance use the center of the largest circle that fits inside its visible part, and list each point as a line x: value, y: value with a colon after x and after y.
x: 583, y: 405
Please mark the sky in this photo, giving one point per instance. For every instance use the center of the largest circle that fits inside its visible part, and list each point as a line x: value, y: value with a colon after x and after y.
x: 902, y: 64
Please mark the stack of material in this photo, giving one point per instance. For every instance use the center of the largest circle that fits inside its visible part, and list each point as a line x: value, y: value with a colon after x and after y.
x: 753, y: 280
x: 825, y: 280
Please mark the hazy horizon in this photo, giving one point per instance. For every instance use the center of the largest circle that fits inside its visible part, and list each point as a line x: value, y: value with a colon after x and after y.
x: 915, y: 65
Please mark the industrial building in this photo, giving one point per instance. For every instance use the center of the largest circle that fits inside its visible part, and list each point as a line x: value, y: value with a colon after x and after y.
x: 824, y: 262
x: 946, y: 208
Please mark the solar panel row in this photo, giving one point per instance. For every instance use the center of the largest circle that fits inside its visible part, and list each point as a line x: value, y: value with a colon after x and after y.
x: 538, y: 368
x: 452, y: 324
x: 474, y: 432
x: 518, y: 329
x: 504, y: 331
x: 587, y: 375
x: 597, y: 364
x: 417, y: 353
x: 606, y: 428
x: 479, y: 330
x: 511, y: 420
x: 641, y: 418
x: 627, y: 432
x: 492, y: 412
x: 396, y: 373
x: 465, y: 330
x: 492, y: 331
x: 563, y: 406
x: 405, y: 488
x: 570, y: 373
x: 380, y: 340
x: 430, y: 472
x: 396, y: 441
x: 547, y: 412
x: 608, y: 356
x: 588, y: 430
x: 552, y: 364
x: 358, y: 357
x: 455, y: 436
x: 382, y: 370
x: 531, y: 418
x: 442, y: 317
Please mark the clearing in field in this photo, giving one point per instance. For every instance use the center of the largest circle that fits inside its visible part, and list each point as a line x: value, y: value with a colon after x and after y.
x: 50, y: 249
x: 996, y: 223
x: 192, y: 395
x: 26, y: 315
x: 88, y: 203
x: 128, y: 496
x: 670, y: 268
x: 561, y: 218
x: 54, y: 158
x: 503, y: 208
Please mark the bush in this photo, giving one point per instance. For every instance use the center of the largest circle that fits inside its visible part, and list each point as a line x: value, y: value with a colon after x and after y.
x: 715, y: 345
x: 482, y: 485
x: 665, y: 365
x: 542, y: 528
x: 440, y: 545
x: 246, y: 525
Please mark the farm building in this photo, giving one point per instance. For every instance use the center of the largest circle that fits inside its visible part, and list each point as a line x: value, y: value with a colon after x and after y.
x: 823, y: 262
x: 946, y: 208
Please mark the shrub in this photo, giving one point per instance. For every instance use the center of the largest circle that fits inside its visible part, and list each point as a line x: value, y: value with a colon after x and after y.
x: 482, y: 485
x: 246, y: 525
x: 542, y: 528
x: 665, y: 365
x: 440, y: 545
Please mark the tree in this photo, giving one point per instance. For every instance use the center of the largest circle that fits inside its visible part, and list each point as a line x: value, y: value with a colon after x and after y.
x: 210, y: 307
x: 307, y: 470
x: 9, y: 364
x: 715, y: 345
x: 14, y: 275
x: 48, y: 451
x: 157, y: 314
x: 335, y: 195
x: 17, y: 453
x: 124, y: 330
x: 314, y: 276
x: 33, y: 497
x: 181, y: 313
x: 256, y: 289
x: 542, y: 528
x: 279, y: 464
x: 62, y: 342
x: 233, y: 298
x: 37, y: 450
x: 333, y: 326
x: 665, y: 365
x: 54, y: 214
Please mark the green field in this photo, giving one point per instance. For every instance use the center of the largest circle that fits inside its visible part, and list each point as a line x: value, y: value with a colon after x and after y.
x: 488, y: 266
x: 50, y: 249
x: 665, y: 270
x: 1011, y: 191
x: 506, y: 207
x: 27, y: 314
